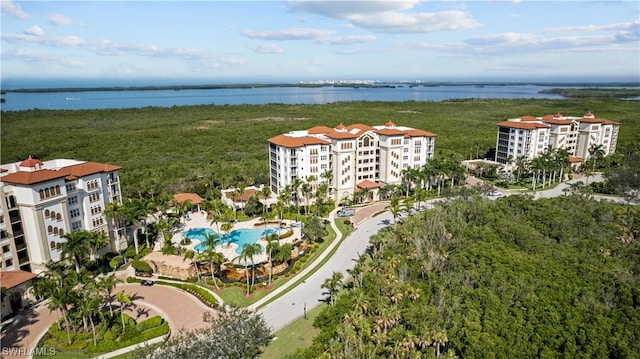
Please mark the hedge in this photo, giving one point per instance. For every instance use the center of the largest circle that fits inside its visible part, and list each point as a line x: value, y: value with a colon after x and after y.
x: 203, y: 295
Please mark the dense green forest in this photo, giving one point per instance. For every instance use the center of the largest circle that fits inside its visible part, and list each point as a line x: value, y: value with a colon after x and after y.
x: 512, y: 278
x: 191, y: 148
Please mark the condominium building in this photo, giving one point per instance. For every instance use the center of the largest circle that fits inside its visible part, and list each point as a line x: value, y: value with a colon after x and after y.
x: 347, y: 158
x: 41, y: 201
x: 529, y: 136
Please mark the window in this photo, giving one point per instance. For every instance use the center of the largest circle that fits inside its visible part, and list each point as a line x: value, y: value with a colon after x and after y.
x: 8, y: 263
x: 6, y: 249
x: 74, y: 213
x: 52, y: 245
x: 46, y: 213
x: 72, y: 200
x: 70, y: 187
x: 76, y: 225
x: 50, y: 229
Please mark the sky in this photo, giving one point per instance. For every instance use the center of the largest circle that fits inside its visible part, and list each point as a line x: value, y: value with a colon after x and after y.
x: 292, y: 41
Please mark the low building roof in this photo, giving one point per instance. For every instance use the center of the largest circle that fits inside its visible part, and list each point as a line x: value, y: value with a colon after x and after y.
x: 368, y: 184
x: 526, y: 125
x: 13, y: 278
x: 194, y: 197
x: 248, y: 193
x: 70, y: 172
x: 293, y: 142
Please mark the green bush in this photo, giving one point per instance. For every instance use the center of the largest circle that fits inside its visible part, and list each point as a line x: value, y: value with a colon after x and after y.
x: 141, y: 266
x: 149, y: 323
x: 115, y: 262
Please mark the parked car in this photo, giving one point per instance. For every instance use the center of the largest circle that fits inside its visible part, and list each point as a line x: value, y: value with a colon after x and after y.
x: 495, y: 194
x: 346, y: 212
x: 147, y: 283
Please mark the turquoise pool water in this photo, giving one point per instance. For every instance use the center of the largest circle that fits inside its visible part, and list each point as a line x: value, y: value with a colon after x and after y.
x: 241, y: 237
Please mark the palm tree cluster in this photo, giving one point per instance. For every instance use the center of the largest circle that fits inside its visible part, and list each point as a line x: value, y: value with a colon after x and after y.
x: 437, y: 173
x: 79, y: 297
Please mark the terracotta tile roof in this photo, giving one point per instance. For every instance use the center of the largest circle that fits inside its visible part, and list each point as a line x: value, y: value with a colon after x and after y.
x: 360, y: 127
x: 590, y: 120
x: 522, y: 125
x: 368, y: 184
x: 31, y: 162
x: 556, y: 121
x: 528, y: 118
x: 574, y: 159
x: 390, y: 132
x: 341, y: 135
x: 248, y: 193
x: 609, y: 122
x: 419, y: 133
x: 13, y: 278
x: 291, y: 142
x: 181, y: 197
x: 319, y: 130
x: 70, y: 172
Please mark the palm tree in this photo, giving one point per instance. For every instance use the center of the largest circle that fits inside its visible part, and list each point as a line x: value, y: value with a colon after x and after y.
x: 76, y: 246
x: 265, y: 193
x: 271, y: 240
x: 97, y: 241
x: 106, y: 285
x: 596, y: 152
x: 115, y: 212
x: 395, y: 208
x: 212, y: 240
x: 327, y: 175
x: 248, y: 252
x: 333, y: 285
x: 306, y: 191
x: 87, y: 307
x: 409, y: 176
x: 125, y: 300
x: 192, y: 255
x: 227, y: 227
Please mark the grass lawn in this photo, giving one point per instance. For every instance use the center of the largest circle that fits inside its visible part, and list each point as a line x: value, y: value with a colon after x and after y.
x: 297, y: 335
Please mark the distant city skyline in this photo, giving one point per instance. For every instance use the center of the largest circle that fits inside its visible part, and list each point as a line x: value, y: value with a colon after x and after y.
x: 169, y: 42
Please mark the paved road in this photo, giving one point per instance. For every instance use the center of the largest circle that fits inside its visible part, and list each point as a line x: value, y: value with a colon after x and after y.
x: 309, y: 294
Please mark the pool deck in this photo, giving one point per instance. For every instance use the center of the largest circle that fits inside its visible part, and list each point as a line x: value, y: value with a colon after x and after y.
x: 199, y: 220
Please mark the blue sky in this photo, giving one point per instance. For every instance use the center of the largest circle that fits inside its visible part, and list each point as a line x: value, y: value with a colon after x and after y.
x: 290, y: 41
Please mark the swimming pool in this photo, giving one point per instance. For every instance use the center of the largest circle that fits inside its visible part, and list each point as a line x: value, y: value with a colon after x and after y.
x: 241, y: 237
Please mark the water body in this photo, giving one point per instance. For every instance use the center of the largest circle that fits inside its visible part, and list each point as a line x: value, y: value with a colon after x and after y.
x: 77, y: 100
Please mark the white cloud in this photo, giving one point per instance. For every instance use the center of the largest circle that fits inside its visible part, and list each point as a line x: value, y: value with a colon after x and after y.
x: 60, y: 20
x: 34, y: 30
x: 10, y: 8
x: 388, y: 16
x: 266, y: 49
x: 415, y: 23
x: 289, y: 34
x: 349, y: 40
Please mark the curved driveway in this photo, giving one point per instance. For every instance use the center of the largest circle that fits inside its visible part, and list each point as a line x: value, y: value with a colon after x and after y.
x: 180, y: 309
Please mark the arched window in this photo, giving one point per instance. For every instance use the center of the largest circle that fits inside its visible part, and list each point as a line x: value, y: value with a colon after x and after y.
x: 59, y: 217
x: 47, y: 192
x: 53, y: 214
x: 61, y: 232
x: 46, y: 213
x: 55, y: 230
x: 53, y: 245
x: 57, y: 189
x: 41, y: 194
x: 50, y: 229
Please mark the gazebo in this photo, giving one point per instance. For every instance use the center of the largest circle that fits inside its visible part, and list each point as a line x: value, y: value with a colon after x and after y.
x: 193, y: 197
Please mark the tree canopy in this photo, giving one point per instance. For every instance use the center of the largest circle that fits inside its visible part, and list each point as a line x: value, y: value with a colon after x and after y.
x: 493, y: 279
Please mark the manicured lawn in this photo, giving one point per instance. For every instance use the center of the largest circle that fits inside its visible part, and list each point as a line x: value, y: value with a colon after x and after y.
x: 297, y: 335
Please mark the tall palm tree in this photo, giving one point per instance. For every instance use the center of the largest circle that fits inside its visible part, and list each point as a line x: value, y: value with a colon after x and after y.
x: 271, y: 240
x: 116, y: 213
x: 327, y: 175
x: 125, y: 301
x: 106, y: 285
x: 596, y: 152
x: 96, y: 241
x: 306, y: 192
x: 265, y: 193
x: 333, y: 285
x: 192, y: 255
x: 76, y: 247
x: 227, y: 227
x: 248, y: 253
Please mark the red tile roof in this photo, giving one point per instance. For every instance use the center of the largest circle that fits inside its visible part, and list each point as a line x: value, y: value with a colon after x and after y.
x: 31, y: 162
x: 390, y: 132
x: 79, y: 170
x: 368, y: 184
x: 360, y: 127
x: 609, y: 122
x: 528, y: 118
x: 574, y: 159
x: 341, y: 135
x: 248, y: 193
x: 13, y: 278
x: 419, y: 133
x: 319, y: 130
x: 522, y: 125
x: 194, y: 197
x: 292, y: 142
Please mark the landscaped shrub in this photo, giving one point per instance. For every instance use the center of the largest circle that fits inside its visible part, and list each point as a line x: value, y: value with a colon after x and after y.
x: 286, y: 235
x: 130, y: 253
x: 347, y: 222
x: 115, y: 262
x: 142, y: 267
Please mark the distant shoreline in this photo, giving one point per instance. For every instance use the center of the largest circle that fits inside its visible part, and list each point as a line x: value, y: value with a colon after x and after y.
x: 314, y: 85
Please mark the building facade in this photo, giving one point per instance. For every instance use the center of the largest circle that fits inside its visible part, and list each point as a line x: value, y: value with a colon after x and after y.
x: 347, y: 158
x: 529, y: 136
x: 42, y: 201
